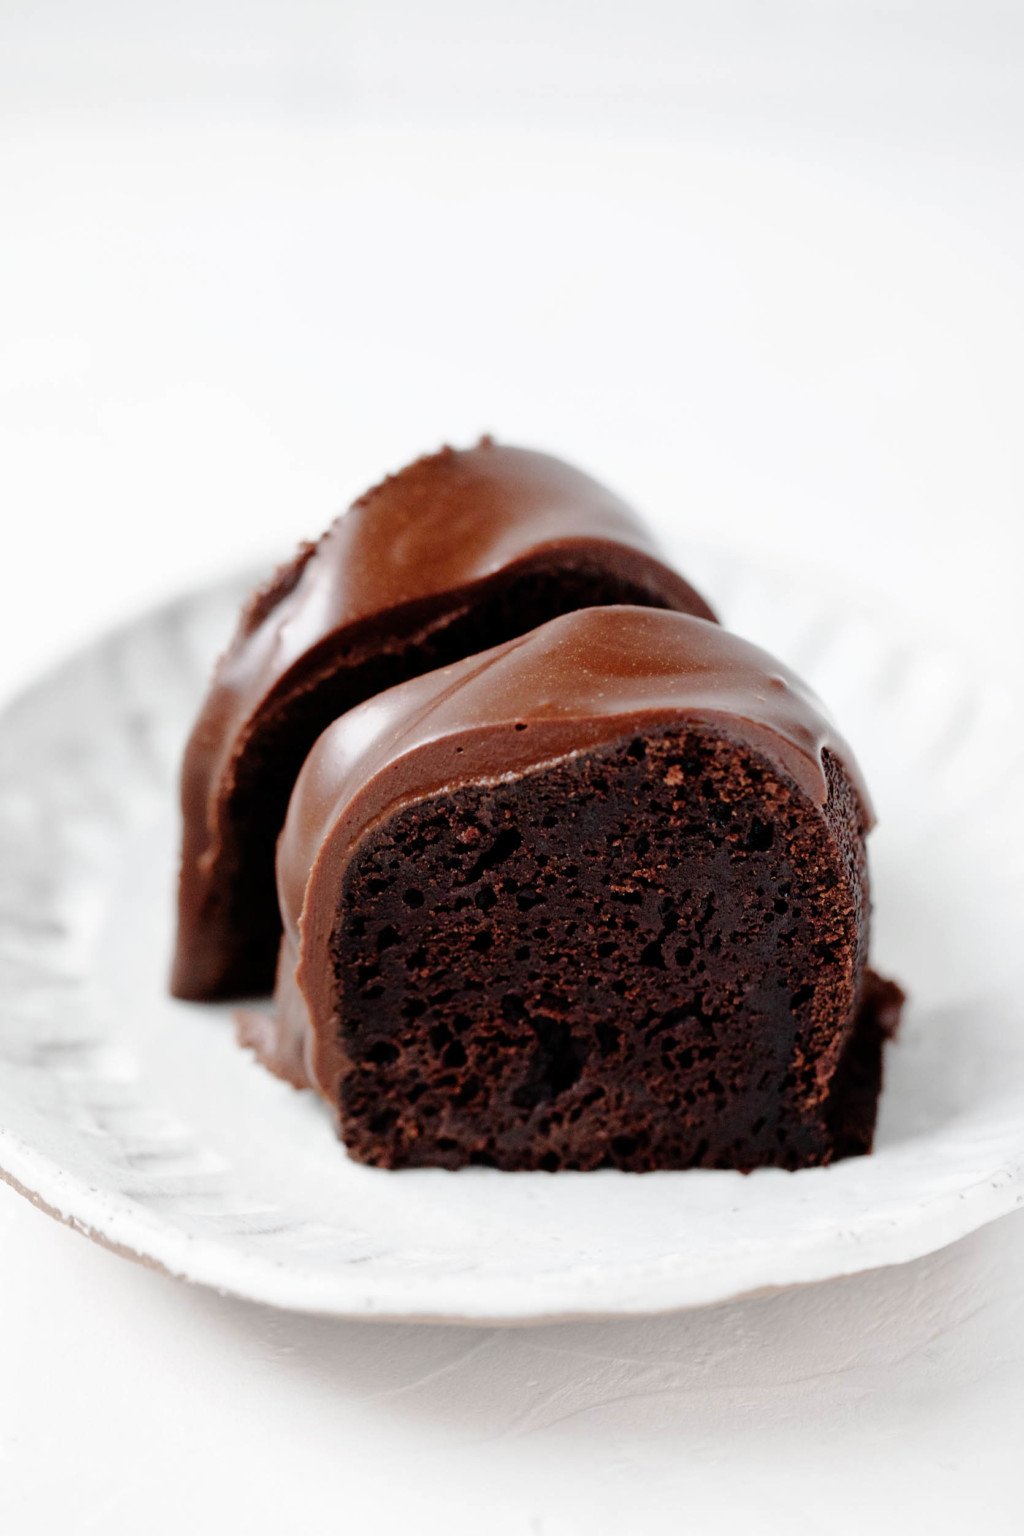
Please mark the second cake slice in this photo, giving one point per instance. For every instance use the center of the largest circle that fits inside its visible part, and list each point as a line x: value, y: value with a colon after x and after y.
x: 456, y: 553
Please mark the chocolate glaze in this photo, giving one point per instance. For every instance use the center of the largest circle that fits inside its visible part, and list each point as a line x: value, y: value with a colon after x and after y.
x: 404, y: 559
x: 586, y: 679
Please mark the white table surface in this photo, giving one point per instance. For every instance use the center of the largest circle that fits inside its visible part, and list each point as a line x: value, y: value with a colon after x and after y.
x: 764, y: 273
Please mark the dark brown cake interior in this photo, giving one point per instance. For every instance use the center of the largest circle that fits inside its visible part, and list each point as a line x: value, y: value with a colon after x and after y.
x: 648, y: 955
x: 334, y: 679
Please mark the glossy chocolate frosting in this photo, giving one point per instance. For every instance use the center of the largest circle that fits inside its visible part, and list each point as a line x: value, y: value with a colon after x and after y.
x: 583, y: 680
x: 425, y: 542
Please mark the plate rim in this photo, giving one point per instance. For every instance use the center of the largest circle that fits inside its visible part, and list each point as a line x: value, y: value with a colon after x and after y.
x: 945, y: 1220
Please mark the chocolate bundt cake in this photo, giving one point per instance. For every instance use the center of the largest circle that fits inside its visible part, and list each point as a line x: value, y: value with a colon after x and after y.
x: 596, y: 897
x: 456, y: 553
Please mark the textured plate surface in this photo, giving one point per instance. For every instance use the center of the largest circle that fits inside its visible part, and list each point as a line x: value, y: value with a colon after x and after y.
x: 138, y: 1120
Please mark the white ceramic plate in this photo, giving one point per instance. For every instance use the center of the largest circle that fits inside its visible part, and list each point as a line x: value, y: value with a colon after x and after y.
x: 138, y: 1120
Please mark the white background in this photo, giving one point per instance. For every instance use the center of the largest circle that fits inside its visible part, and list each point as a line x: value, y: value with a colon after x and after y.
x: 760, y: 266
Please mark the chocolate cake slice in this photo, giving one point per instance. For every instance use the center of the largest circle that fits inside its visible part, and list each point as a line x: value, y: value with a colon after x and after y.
x: 597, y: 897
x: 458, y: 552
